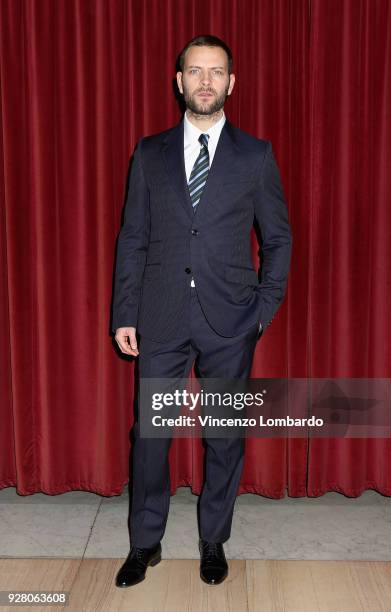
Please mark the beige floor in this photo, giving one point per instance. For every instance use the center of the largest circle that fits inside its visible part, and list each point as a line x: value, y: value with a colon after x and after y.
x: 84, y: 525
x: 175, y: 586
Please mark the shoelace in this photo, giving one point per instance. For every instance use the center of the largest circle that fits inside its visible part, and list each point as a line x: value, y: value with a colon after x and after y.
x: 139, y: 555
x: 212, y: 549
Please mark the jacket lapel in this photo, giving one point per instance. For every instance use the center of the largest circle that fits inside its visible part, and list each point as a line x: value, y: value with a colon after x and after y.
x: 223, y: 163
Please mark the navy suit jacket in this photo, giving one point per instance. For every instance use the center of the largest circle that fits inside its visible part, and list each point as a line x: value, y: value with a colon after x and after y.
x: 163, y: 243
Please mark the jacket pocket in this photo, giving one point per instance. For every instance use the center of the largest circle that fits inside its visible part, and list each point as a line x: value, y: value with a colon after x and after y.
x: 242, y: 275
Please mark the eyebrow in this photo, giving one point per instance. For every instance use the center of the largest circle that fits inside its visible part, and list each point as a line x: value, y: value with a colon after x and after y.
x: 212, y: 68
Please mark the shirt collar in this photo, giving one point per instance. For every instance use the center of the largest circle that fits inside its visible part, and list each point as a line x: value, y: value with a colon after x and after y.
x: 192, y: 132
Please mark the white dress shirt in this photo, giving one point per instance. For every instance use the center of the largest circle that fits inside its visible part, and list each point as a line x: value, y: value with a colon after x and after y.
x: 192, y: 148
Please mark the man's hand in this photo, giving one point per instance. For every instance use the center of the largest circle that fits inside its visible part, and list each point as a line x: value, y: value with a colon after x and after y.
x: 126, y: 340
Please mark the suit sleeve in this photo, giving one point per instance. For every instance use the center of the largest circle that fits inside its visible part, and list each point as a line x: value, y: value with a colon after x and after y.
x: 133, y: 242
x: 271, y: 213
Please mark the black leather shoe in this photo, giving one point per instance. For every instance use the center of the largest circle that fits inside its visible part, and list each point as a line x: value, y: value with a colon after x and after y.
x: 214, y: 567
x: 135, y: 566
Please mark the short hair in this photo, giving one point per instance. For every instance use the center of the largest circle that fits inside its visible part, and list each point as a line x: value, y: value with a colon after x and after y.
x: 206, y: 40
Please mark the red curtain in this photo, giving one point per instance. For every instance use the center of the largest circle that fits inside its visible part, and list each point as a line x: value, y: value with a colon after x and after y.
x: 81, y: 82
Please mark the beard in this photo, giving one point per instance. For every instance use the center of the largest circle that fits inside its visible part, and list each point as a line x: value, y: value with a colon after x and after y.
x: 208, y: 106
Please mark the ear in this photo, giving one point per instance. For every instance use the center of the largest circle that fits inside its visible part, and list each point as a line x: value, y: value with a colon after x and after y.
x: 231, y: 83
x: 179, y: 81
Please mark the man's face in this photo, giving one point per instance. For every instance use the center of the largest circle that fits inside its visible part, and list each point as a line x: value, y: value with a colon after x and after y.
x: 205, y: 82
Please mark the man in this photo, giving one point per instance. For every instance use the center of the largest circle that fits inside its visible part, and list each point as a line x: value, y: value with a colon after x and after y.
x: 185, y: 282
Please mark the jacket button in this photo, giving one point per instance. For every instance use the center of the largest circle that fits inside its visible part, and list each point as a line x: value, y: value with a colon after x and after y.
x: 188, y: 270
x: 194, y: 232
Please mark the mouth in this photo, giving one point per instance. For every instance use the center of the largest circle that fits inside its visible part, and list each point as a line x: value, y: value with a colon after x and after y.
x: 204, y: 94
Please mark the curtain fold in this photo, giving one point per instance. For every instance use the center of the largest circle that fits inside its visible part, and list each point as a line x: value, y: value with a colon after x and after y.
x: 80, y: 82
x: 350, y: 225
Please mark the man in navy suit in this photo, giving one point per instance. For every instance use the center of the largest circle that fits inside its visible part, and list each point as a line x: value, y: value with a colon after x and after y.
x: 185, y: 282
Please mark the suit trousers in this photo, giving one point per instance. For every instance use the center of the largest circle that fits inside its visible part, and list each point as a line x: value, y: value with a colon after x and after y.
x: 216, y: 357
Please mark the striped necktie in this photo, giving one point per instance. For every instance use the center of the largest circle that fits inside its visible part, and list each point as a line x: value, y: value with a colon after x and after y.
x: 200, y: 171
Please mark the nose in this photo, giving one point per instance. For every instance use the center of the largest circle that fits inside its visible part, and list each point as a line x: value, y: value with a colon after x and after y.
x: 205, y: 78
